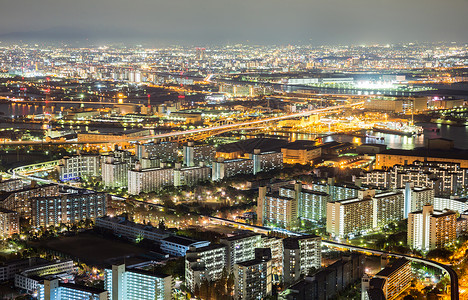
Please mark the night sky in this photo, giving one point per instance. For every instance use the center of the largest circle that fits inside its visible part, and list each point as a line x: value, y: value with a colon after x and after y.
x: 207, y: 22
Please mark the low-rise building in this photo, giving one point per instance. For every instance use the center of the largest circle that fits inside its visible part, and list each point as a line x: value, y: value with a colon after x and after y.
x: 30, y: 278
x: 301, y: 152
x: 131, y: 230
x: 178, y: 245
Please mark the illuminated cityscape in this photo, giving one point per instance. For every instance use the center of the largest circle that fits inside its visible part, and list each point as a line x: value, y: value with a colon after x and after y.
x: 233, y: 150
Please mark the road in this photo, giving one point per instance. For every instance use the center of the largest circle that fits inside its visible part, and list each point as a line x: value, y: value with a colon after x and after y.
x: 454, y: 289
x: 193, y: 131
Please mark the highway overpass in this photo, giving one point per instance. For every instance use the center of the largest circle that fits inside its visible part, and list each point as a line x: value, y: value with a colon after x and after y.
x: 171, y: 135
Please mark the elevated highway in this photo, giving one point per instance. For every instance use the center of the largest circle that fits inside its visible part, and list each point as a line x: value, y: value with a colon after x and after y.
x: 176, y: 134
x: 454, y: 288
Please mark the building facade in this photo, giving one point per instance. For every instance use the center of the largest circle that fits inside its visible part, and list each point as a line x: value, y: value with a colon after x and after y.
x: 430, y: 229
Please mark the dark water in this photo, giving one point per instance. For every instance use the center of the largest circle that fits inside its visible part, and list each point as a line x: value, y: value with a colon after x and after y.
x: 458, y: 134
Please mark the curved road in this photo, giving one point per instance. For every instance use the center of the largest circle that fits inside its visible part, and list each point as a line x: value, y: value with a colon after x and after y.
x: 454, y: 291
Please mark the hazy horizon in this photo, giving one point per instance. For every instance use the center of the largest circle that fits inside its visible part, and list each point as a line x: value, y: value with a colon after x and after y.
x: 210, y: 22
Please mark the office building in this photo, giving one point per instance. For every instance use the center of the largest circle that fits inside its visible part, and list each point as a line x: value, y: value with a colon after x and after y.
x: 390, y: 282
x: 9, y: 223
x: 430, y: 229
x: 56, y: 290
x: 204, y: 263
x: 67, y: 208
x: 252, y: 278
x: 134, y: 284
x: 122, y: 227
x: 397, y: 105
x: 241, y: 248
x: 194, y: 154
x: 76, y: 167
x: 301, y: 255
x: 179, y: 245
x: 227, y: 168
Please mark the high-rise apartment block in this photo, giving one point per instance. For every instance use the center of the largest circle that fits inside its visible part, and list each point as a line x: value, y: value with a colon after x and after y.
x: 19, y: 200
x: 241, y: 248
x: 227, y: 168
x: 194, y: 154
x: 190, y: 175
x: 76, y: 167
x: 266, y: 161
x: 114, y: 173
x: 444, y: 177
x: 290, y: 204
x: 67, y: 208
x: 9, y: 223
x: 301, y: 255
x: 366, y: 212
x: 136, y: 284
x: 149, y: 180
x: 429, y: 229
x: 390, y: 282
x: 205, y: 263
x: 166, y: 151
x: 253, y: 278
